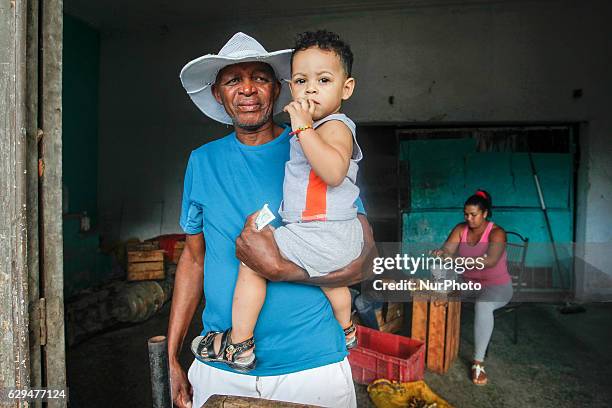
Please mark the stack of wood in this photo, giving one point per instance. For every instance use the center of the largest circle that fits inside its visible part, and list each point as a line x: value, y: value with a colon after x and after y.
x: 145, y: 261
x: 97, y: 309
x: 91, y: 311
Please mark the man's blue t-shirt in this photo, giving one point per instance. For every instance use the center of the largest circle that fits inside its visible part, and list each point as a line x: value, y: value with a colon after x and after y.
x: 226, y: 181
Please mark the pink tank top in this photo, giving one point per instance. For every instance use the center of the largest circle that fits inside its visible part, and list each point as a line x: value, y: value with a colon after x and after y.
x: 496, y: 275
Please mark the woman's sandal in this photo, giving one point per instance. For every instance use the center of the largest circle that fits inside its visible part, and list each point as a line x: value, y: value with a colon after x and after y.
x: 203, y: 347
x: 351, y: 341
x: 479, y: 376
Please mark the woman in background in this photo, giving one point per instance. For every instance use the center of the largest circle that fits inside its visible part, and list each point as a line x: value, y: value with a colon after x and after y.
x: 479, y: 237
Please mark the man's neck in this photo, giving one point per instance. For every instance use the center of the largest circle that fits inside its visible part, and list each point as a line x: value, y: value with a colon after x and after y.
x: 264, y: 134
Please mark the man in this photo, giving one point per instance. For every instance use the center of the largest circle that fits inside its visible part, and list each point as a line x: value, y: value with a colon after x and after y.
x: 301, y: 348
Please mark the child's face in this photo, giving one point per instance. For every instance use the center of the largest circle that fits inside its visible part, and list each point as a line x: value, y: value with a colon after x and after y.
x: 318, y: 75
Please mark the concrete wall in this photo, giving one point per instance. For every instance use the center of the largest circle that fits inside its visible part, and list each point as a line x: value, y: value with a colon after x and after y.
x: 84, y: 265
x: 496, y: 62
x: 80, y: 116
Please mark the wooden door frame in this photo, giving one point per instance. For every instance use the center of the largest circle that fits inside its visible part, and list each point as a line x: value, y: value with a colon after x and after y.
x: 14, y: 317
x: 31, y: 246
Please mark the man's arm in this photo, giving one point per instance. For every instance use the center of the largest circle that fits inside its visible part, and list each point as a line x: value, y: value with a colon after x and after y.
x: 186, y: 297
x: 259, y: 251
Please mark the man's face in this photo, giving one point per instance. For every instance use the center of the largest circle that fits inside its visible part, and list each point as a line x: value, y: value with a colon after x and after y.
x: 248, y: 92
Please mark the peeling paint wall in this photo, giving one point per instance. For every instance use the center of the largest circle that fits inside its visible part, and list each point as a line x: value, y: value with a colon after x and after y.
x: 499, y: 62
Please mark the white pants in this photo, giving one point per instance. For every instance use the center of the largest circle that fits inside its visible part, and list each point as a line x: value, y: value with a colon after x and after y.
x: 327, y: 386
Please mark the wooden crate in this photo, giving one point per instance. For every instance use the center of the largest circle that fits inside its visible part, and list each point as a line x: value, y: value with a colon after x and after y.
x: 145, y: 265
x: 178, y: 250
x: 394, y: 318
x: 142, y: 246
x: 436, y: 321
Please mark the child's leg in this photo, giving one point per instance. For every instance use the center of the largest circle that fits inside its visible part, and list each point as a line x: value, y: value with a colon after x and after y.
x: 249, y: 296
x: 340, y: 299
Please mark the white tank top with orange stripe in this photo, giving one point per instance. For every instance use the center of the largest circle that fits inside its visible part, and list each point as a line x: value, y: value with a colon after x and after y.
x: 306, y: 197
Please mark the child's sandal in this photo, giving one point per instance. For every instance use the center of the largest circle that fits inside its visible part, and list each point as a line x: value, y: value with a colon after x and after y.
x: 351, y: 342
x: 229, y: 353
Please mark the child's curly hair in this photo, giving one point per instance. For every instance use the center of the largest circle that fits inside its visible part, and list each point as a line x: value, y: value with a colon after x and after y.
x: 325, y: 40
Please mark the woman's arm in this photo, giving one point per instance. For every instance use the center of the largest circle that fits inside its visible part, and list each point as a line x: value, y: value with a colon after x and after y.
x: 449, y: 248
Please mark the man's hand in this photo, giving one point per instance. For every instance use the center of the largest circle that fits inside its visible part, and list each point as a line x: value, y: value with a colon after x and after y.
x: 258, y: 250
x: 358, y: 270
x: 182, y: 392
x: 300, y: 111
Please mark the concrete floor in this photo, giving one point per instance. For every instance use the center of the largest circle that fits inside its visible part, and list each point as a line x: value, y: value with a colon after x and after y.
x: 560, y: 361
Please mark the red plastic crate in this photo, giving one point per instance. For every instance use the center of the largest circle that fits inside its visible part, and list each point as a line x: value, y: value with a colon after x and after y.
x: 386, y: 355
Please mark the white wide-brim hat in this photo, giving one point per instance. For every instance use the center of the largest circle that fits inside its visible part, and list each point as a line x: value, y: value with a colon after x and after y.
x: 199, y: 75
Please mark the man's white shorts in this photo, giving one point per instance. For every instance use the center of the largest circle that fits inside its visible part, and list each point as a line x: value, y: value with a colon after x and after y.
x: 327, y: 386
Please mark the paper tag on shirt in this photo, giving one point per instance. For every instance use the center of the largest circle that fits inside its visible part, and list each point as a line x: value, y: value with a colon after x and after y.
x: 264, y: 217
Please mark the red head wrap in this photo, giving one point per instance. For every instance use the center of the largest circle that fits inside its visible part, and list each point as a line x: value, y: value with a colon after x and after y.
x: 481, y: 194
